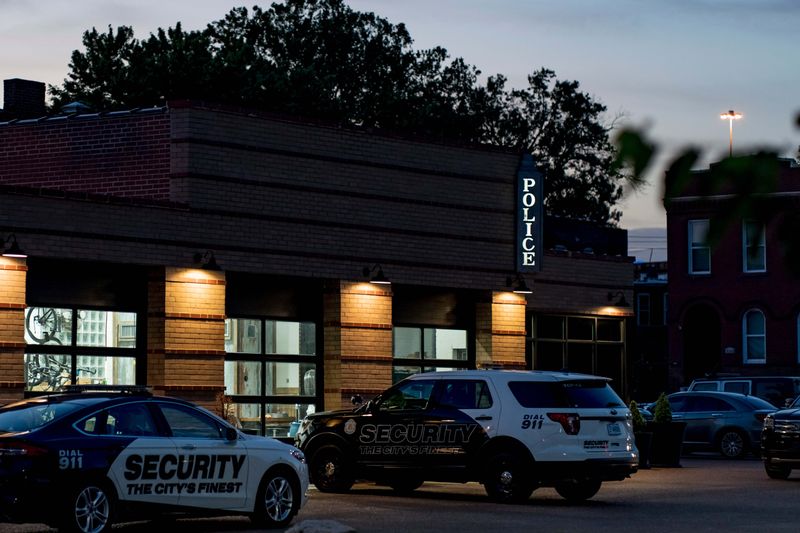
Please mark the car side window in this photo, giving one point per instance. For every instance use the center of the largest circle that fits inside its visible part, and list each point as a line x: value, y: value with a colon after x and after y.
x: 677, y: 404
x: 465, y: 394
x: 704, y: 403
x: 189, y: 423
x: 413, y: 395
x: 130, y: 419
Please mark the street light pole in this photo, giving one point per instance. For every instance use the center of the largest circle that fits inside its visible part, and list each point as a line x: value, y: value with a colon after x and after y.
x: 731, y: 115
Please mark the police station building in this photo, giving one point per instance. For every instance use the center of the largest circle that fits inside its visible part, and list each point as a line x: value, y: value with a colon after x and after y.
x: 278, y: 266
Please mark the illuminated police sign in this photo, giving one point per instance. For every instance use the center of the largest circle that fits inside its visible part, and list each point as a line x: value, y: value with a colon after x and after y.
x: 529, y: 217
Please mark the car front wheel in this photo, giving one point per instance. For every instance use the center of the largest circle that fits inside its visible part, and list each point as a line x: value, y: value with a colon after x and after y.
x: 278, y: 499
x: 506, y: 480
x: 778, y: 471
x: 732, y: 444
x: 89, y: 509
x: 330, y: 470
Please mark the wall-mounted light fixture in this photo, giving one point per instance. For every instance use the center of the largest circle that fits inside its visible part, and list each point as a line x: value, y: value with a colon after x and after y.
x: 621, y: 301
x: 206, y: 260
x: 13, y: 249
x: 518, y: 284
x: 376, y: 275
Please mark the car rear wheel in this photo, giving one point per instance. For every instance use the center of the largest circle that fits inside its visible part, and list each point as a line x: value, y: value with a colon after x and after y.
x: 278, y: 499
x: 578, y: 490
x: 732, y: 443
x: 506, y: 480
x: 330, y: 470
x: 406, y: 485
x: 89, y: 509
x: 778, y: 471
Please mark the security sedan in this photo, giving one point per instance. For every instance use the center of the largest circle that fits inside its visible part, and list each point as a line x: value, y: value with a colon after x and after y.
x: 84, y: 460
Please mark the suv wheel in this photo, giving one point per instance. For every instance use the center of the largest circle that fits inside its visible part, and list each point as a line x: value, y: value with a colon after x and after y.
x: 732, y: 443
x: 778, y: 471
x: 330, y: 470
x: 505, y: 480
x: 578, y: 490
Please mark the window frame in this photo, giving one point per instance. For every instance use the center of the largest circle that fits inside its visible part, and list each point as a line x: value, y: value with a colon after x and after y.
x: 426, y: 365
x: 640, y: 297
x: 762, y: 246
x: 262, y: 400
x: 691, y: 246
x: 747, y: 335
x: 73, y: 351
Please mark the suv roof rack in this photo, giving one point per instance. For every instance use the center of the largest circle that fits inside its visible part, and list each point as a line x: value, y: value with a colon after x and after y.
x: 126, y: 389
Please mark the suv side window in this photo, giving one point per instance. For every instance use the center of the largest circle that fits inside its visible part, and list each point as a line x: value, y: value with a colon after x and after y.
x: 742, y: 387
x: 532, y: 394
x: 705, y: 386
x: 413, y: 395
x: 465, y: 394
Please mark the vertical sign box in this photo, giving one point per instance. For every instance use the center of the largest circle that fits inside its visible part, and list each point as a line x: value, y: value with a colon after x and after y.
x: 529, y: 216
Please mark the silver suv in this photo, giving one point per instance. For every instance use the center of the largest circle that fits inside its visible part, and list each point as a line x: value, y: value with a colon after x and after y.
x: 513, y: 431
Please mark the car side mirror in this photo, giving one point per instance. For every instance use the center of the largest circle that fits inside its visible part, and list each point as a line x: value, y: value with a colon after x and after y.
x: 231, y: 433
x: 357, y: 400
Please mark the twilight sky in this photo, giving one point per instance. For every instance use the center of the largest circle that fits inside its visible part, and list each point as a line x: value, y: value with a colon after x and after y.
x: 669, y: 66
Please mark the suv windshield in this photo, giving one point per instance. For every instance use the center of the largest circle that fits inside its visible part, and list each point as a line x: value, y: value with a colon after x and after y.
x: 31, y: 415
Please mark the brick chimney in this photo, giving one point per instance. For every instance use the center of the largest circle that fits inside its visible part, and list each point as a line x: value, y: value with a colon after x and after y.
x: 23, y: 99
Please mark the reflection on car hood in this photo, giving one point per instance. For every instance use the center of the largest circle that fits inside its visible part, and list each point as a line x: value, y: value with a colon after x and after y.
x: 787, y: 413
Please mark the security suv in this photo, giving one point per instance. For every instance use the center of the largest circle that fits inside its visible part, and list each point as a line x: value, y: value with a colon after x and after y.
x: 513, y: 431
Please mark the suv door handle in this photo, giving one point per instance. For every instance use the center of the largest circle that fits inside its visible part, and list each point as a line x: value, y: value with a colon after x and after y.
x: 188, y: 447
x: 483, y: 417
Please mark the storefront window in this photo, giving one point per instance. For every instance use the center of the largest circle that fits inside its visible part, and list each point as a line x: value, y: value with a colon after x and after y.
x: 99, y: 348
x: 438, y: 348
x: 589, y: 345
x: 271, y: 373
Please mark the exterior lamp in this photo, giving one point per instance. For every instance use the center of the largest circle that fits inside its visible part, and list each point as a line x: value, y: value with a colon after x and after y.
x: 518, y: 284
x: 206, y: 260
x: 376, y: 275
x: 621, y: 301
x: 13, y: 249
x: 730, y: 116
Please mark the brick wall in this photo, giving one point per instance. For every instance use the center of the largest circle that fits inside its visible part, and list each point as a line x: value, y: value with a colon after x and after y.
x: 12, y: 327
x: 186, y: 331
x: 500, y: 334
x: 358, y: 342
x: 125, y: 155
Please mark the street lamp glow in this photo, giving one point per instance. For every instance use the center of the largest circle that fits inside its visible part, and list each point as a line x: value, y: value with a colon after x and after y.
x: 730, y: 116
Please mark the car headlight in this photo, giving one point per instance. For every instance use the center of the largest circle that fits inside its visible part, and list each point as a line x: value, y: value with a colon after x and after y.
x: 297, y: 454
x: 769, y: 422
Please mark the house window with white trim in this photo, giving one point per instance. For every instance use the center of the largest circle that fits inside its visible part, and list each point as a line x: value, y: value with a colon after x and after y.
x: 699, y: 250
x: 754, y: 247
x: 754, y: 337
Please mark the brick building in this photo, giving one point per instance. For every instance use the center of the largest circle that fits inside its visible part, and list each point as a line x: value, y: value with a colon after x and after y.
x: 124, y: 217
x: 733, y: 309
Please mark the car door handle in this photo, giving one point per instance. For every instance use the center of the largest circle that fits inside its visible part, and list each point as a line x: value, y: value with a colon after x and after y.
x: 483, y: 417
x: 188, y: 447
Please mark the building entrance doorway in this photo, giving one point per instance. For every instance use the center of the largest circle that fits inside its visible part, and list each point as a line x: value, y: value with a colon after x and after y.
x: 702, y: 349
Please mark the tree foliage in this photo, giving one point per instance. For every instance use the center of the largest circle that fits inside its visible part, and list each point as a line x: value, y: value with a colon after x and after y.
x: 321, y: 59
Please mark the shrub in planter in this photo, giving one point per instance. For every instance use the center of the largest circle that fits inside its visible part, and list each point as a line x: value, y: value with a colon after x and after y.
x: 667, y: 435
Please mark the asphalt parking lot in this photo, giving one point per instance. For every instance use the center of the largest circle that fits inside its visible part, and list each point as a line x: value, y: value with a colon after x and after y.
x: 705, y: 494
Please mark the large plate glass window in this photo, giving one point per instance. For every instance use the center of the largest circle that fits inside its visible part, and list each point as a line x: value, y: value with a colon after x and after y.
x: 67, y: 346
x: 271, y: 374
x: 425, y: 349
x: 590, y: 345
x: 699, y: 251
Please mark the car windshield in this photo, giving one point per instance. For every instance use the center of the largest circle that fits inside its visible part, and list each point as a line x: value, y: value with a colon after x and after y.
x: 759, y: 403
x: 27, y: 416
